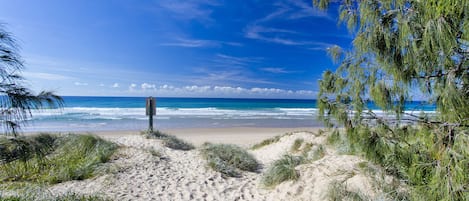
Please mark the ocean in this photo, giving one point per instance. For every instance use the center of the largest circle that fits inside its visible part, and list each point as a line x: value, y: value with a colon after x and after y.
x: 128, y: 113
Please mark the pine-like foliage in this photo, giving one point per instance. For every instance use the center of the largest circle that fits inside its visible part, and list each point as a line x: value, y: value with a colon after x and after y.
x: 16, y: 100
x: 402, y: 48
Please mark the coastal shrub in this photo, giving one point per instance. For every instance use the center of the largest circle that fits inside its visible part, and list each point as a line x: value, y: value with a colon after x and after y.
x: 282, y: 170
x: 229, y: 159
x: 71, y: 157
x: 176, y: 143
x: 296, y: 145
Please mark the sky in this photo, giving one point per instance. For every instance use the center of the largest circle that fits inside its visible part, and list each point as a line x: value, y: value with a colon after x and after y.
x: 175, y: 48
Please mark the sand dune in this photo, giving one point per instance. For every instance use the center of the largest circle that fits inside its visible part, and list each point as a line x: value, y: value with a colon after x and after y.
x: 146, y: 170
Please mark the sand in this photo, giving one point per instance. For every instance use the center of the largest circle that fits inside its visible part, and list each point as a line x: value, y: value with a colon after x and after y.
x: 143, y: 169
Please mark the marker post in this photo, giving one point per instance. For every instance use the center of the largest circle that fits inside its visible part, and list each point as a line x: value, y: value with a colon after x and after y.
x: 150, y: 111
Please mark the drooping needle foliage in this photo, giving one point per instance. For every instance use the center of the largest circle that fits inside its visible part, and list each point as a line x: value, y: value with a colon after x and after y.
x: 16, y: 100
x: 405, y: 50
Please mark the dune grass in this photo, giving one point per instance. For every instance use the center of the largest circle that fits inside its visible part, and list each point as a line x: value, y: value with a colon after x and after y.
x: 43, y: 196
x: 52, y: 159
x: 170, y: 141
x: 338, y: 192
x: 296, y: 145
x: 282, y: 170
x: 229, y: 159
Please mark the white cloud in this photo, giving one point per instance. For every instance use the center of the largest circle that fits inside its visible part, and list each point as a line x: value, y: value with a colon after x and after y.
x: 195, y: 43
x: 146, y: 86
x: 166, y: 90
x: 101, y: 85
x: 115, y: 85
x: 181, y: 42
x: 132, y: 87
x: 81, y: 84
x: 189, y: 9
x: 276, y: 70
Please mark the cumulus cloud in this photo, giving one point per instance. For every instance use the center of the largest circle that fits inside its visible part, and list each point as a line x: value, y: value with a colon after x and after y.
x: 146, y: 86
x: 218, y: 91
x: 115, y: 85
x: 132, y: 87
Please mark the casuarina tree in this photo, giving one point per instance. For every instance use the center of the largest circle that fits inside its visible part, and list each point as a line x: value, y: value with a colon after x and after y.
x: 405, y: 50
x: 16, y: 100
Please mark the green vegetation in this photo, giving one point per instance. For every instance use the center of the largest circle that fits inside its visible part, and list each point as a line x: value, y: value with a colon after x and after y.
x: 176, y: 143
x: 401, y: 47
x: 267, y: 141
x: 52, y: 158
x: 170, y: 141
x: 46, y: 197
x: 338, y: 192
x: 318, y: 153
x: 229, y: 159
x: 296, y: 145
x: 282, y: 170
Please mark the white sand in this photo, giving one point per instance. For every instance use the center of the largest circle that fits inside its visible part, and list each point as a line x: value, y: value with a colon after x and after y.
x: 184, y: 175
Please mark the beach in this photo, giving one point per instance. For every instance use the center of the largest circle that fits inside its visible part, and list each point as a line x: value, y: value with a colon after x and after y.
x: 138, y: 173
x: 242, y: 136
x: 147, y: 169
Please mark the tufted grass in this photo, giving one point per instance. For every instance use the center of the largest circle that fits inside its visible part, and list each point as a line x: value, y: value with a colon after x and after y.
x: 51, y: 159
x: 282, y: 170
x: 229, y: 159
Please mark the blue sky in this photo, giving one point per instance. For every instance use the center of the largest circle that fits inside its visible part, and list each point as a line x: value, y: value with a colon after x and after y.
x: 195, y: 48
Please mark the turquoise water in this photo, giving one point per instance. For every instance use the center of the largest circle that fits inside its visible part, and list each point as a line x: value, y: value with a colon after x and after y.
x: 128, y: 113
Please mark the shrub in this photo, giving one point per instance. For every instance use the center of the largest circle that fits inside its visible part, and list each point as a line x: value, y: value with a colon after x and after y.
x: 282, y: 170
x: 229, y: 159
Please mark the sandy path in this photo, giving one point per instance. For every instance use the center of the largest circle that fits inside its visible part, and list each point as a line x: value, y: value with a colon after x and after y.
x: 145, y: 170
x: 176, y: 175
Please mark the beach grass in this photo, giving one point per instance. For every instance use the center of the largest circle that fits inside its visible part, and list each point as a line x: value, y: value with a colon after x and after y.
x: 43, y: 196
x: 282, y: 170
x: 229, y: 159
x: 269, y: 141
x: 170, y: 141
x: 176, y: 143
x: 296, y: 145
x: 53, y: 159
x: 338, y: 192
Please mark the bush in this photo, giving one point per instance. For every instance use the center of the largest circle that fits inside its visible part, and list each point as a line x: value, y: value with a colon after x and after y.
x: 229, y: 159
x: 69, y: 157
x: 282, y: 170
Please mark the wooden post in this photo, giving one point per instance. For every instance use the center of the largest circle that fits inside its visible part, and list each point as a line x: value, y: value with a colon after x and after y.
x: 150, y: 111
